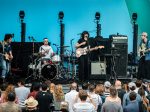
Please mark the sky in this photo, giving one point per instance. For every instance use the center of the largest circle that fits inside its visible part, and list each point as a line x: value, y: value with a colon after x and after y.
x: 41, y: 18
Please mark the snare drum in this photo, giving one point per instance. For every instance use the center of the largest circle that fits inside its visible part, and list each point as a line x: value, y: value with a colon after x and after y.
x: 56, y: 59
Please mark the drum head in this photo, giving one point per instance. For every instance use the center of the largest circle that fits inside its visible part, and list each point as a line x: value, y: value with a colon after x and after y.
x: 49, y: 71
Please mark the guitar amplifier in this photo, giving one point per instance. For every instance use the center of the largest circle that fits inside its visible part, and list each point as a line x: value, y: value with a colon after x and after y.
x: 118, y: 38
x: 98, y: 68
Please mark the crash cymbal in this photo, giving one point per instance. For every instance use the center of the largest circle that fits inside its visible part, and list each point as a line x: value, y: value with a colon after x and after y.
x: 63, y: 46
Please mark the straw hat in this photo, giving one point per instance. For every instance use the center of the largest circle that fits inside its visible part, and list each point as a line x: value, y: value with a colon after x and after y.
x: 31, y: 102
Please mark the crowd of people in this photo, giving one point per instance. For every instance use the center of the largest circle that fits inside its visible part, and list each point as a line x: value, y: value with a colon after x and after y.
x: 100, y: 97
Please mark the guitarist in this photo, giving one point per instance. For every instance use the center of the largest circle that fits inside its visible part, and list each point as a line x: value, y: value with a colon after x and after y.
x: 144, y: 62
x: 5, y: 55
x: 84, y: 66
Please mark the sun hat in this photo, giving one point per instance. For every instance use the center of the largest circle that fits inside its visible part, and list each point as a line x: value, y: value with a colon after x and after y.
x: 31, y: 102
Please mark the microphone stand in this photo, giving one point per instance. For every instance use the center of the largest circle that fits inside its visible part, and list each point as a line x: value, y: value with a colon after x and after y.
x: 73, y: 61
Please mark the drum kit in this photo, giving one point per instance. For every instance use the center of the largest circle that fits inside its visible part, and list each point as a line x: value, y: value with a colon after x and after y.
x: 52, y: 69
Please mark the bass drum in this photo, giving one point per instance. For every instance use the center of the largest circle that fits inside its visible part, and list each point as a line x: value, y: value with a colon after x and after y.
x: 49, y: 71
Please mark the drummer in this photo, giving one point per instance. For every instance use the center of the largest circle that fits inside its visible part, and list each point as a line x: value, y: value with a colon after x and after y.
x: 46, y: 52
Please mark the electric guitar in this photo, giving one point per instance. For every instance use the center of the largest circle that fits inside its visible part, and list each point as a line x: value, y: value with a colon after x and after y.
x: 143, y: 52
x: 7, y: 56
x: 83, y: 51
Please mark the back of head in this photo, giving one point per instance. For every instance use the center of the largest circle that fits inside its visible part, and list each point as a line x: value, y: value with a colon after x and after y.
x: 83, y: 95
x: 44, y: 87
x: 132, y: 96
x: 91, y: 88
x: 113, y: 91
x: 99, y: 89
x: 21, y: 82
x: 73, y: 86
x: 11, y: 96
x: 118, y: 84
x: 85, y: 86
x: 64, y: 106
x: 141, y: 92
x: 138, y: 83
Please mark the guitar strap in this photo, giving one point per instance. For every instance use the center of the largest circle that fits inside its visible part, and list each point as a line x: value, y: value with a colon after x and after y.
x: 2, y: 44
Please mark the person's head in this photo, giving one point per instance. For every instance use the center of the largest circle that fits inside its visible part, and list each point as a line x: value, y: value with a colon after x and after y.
x: 132, y: 86
x: 64, y: 106
x: 83, y: 95
x: 91, y: 88
x: 52, y: 88
x: 144, y: 36
x: 99, y: 89
x: 31, y: 103
x: 113, y: 91
x: 85, y: 35
x: 10, y: 88
x: 11, y: 96
x: 8, y: 38
x: 138, y: 83
x: 132, y: 96
x: 44, y: 87
x: 59, y: 88
x: 118, y: 84
x: 45, y: 41
x: 73, y: 86
x: 107, y: 84
x: 141, y: 92
x: 85, y: 86
x: 21, y: 83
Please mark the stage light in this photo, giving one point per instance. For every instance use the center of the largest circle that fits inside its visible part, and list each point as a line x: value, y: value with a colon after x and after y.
x: 22, y: 14
x: 61, y: 15
x: 134, y: 16
x: 97, y: 15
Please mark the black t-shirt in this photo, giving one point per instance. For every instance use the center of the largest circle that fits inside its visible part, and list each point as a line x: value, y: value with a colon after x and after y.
x: 45, y: 100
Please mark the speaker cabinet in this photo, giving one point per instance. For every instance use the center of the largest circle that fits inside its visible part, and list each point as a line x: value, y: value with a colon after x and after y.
x: 98, y: 70
x: 120, y: 53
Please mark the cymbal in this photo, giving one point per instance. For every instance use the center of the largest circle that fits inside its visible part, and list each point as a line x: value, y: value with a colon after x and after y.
x: 36, y: 54
x: 63, y: 46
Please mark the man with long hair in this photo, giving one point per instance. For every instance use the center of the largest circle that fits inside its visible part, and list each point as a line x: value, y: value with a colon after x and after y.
x: 5, y: 55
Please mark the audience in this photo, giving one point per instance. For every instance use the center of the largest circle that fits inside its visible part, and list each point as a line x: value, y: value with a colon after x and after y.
x: 22, y: 93
x: 59, y: 96
x: 84, y: 106
x: 10, y: 105
x: 133, y: 106
x: 107, y: 85
x: 112, y: 102
x: 45, y: 99
x: 95, y: 97
x: 31, y: 104
x: 70, y: 96
x: 121, y: 91
x: 126, y: 99
x: 48, y: 97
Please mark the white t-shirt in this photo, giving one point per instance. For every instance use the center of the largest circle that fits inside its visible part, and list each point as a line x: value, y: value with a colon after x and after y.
x: 47, y: 50
x: 83, y: 107
x: 70, y: 97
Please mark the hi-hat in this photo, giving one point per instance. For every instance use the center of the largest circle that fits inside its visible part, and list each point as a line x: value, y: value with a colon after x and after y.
x: 36, y: 54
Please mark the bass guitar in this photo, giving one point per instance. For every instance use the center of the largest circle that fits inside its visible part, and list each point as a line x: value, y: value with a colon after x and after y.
x: 83, y: 51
